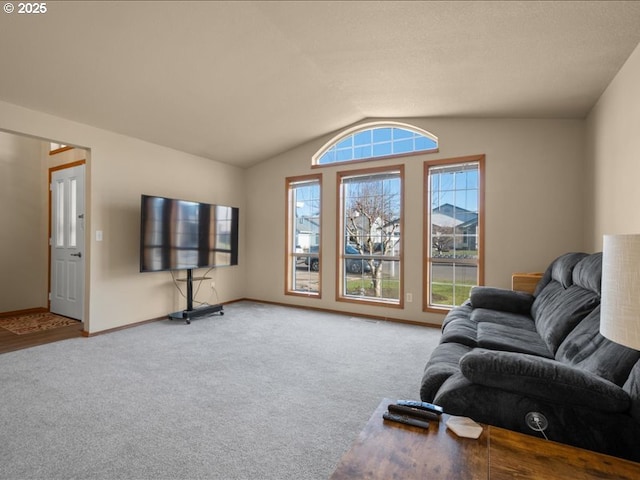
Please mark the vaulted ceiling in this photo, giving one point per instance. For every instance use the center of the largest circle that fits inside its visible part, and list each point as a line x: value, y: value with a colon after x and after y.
x: 240, y: 82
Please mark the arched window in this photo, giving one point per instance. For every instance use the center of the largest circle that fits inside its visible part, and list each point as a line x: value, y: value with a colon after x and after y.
x: 375, y: 140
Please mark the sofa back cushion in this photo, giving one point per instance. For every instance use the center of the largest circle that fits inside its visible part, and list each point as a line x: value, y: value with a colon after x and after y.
x: 588, y: 272
x: 560, y: 270
x: 572, y: 293
x: 587, y: 349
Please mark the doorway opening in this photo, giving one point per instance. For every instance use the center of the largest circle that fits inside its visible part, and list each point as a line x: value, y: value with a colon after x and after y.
x: 25, y: 211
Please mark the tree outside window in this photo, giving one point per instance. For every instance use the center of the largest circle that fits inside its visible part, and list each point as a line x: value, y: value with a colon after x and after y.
x: 371, y: 226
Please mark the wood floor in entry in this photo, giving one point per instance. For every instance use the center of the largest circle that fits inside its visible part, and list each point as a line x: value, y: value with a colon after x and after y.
x: 10, y: 341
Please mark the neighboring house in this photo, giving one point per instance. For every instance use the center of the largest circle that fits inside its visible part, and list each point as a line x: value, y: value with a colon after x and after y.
x: 307, y: 232
x: 458, y: 226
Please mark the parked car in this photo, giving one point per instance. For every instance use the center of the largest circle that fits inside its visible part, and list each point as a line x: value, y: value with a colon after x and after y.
x: 354, y: 265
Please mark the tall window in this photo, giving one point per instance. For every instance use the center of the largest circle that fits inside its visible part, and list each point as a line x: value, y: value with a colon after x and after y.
x: 375, y: 140
x: 454, y: 236
x: 303, y: 235
x: 370, y: 246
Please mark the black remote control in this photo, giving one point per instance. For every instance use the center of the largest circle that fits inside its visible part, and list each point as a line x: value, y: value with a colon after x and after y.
x: 413, y: 412
x: 429, y: 407
x: 406, y: 420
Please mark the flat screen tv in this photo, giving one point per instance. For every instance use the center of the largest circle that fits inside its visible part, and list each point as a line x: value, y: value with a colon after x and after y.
x: 183, y: 235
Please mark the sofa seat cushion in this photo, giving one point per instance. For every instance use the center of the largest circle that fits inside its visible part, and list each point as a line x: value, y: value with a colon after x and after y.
x: 462, y: 326
x: 460, y: 330
x: 461, y: 312
x: 507, y: 338
x: 524, y: 322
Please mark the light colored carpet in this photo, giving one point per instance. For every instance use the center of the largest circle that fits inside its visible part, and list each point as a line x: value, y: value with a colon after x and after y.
x: 263, y: 392
x: 34, y: 322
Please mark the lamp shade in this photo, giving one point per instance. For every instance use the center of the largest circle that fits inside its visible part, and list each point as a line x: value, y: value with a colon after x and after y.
x: 620, y: 290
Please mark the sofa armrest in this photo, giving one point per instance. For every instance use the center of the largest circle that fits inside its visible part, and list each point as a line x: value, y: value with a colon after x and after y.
x: 501, y: 299
x: 544, y: 379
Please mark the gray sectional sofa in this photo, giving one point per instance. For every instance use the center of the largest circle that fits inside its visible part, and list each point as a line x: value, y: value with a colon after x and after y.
x: 504, y: 354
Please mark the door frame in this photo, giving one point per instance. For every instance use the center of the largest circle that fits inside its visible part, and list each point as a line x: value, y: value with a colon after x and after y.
x: 50, y: 231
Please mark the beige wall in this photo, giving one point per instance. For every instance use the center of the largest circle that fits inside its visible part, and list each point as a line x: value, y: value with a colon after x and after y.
x: 613, y: 154
x: 534, y: 206
x: 119, y: 170
x: 23, y: 236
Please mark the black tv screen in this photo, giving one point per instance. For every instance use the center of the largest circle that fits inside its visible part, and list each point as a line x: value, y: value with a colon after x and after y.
x: 180, y: 235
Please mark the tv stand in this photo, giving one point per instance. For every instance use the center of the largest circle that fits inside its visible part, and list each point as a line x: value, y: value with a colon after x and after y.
x: 191, y: 312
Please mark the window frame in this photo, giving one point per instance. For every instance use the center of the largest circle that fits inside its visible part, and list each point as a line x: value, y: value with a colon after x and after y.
x: 370, y: 126
x: 427, y: 306
x: 290, y: 253
x: 55, y: 148
x: 340, y: 229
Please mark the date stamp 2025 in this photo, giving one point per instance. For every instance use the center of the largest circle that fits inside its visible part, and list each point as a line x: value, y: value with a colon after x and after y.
x: 26, y: 8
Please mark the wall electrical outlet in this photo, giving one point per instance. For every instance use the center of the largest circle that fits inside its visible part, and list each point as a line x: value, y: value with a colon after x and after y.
x: 409, y: 297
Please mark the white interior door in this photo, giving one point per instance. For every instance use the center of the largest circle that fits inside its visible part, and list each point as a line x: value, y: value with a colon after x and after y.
x: 67, y: 242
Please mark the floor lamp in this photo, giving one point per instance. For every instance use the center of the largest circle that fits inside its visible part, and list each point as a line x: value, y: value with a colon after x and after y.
x: 620, y: 290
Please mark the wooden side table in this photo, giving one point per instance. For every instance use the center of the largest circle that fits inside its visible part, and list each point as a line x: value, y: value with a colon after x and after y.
x: 387, y: 450
x: 525, y: 282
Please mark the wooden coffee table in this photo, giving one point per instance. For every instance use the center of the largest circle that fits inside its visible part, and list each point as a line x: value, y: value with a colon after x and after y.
x: 388, y: 450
